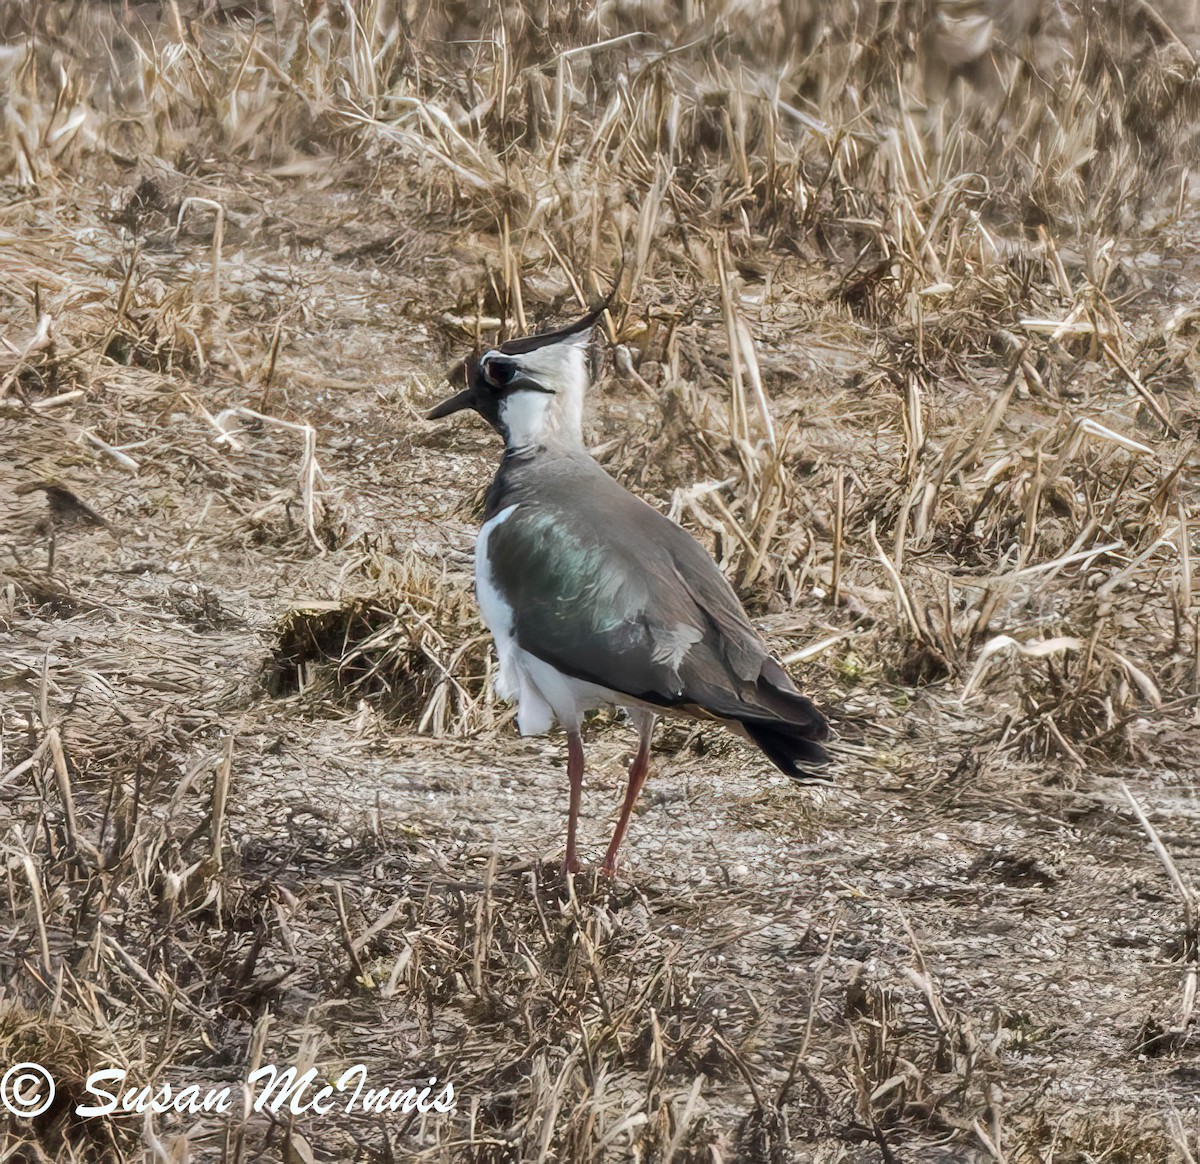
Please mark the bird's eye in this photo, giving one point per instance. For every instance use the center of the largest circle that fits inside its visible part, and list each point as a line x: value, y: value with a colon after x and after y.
x: 499, y: 372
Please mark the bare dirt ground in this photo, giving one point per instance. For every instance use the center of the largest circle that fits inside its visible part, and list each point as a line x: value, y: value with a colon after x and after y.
x: 936, y: 420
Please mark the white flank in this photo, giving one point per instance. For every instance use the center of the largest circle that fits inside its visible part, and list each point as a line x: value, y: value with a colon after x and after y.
x: 534, y: 715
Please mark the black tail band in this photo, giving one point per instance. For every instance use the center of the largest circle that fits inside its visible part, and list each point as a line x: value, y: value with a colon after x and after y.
x: 786, y: 748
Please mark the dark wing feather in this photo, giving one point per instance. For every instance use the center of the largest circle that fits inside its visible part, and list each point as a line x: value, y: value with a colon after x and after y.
x: 579, y: 605
x: 608, y: 590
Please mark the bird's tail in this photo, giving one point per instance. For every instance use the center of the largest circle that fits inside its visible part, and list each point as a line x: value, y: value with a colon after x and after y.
x: 791, y: 732
x: 788, y: 746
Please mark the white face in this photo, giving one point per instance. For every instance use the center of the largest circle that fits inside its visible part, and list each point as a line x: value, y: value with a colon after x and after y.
x: 526, y: 417
x: 534, y: 418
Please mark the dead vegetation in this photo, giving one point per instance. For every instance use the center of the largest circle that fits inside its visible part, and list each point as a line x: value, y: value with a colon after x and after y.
x: 906, y: 328
x: 413, y: 649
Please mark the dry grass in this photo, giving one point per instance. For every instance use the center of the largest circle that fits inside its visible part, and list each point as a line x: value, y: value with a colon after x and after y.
x: 905, y: 328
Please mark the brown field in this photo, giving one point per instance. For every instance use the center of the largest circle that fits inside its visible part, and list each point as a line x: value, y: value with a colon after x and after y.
x: 907, y: 330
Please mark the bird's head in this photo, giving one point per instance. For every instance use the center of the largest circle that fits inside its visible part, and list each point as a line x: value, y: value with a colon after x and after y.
x: 529, y: 390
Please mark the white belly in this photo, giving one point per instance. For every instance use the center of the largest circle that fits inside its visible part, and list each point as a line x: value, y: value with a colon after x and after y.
x: 543, y: 693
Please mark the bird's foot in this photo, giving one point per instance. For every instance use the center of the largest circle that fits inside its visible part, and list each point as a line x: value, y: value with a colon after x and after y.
x: 570, y: 865
x: 609, y: 870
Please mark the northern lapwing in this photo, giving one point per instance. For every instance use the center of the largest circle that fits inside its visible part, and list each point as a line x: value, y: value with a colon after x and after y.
x: 596, y: 599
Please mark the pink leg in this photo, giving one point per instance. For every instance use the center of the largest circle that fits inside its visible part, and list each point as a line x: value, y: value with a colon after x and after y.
x: 575, y: 775
x: 637, y: 777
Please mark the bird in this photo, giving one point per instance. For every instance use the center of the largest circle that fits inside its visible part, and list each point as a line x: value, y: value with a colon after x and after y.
x: 596, y: 599
x: 67, y: 510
